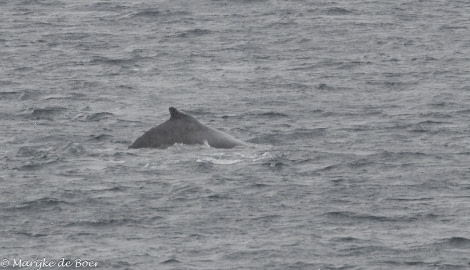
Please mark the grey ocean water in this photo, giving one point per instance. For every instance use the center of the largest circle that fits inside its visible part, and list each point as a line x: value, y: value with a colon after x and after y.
x: 357, y: 115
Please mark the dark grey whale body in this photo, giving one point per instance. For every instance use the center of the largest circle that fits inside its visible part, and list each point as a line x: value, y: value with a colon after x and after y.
x: 183, y: 128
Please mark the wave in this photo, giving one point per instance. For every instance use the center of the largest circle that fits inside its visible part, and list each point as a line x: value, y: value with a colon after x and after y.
x: 171, y: 261
x: 36, y: 165
x: 347, y: 215
x: 347, y: 239
x: 288, y: 137
x: 98, y: 60
x: 32, y: 235
x: 270, y: 115
x: 44, y: 203
x: 47, y: 113
x: 338, y: 11
x: 155, y: 13
x: 13, y: 95
x: 98, y: 116
x: 104, y: 222
x: 31, y: 151
x: 71, y: 96
x: 151, y: 12
x: 194, y: 33
x: 74, y: 149
x: 100, y: 137
x: 455, y: 242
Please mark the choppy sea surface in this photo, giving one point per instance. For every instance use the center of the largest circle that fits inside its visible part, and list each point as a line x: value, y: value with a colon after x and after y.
x: 356, y: 114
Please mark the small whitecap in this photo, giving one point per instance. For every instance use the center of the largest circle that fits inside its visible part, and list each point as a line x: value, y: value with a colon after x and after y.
x: 264, y: 156
x: 218, y: 161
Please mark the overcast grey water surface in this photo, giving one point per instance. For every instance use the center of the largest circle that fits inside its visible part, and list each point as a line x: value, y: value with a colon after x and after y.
x: 356, y: 114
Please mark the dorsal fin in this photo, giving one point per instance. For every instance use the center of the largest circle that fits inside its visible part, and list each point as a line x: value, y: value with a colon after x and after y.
x: 175, y: 114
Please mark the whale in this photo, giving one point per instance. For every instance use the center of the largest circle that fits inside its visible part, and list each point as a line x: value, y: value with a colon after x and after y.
x: 185, y: 129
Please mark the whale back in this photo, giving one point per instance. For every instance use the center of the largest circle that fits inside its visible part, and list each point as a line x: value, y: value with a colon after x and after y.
x: 183, y: 128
